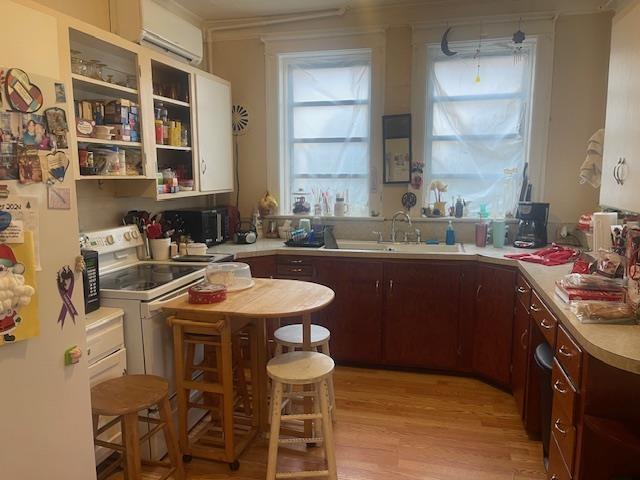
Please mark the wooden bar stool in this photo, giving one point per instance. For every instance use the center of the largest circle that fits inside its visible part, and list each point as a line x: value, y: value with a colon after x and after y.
x: 289, y: 338
x: 301, y: 368
x: 217, y: 385
x: 124, y: 398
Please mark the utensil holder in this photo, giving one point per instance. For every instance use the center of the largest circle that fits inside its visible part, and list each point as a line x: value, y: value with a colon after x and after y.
x: 160, y: 248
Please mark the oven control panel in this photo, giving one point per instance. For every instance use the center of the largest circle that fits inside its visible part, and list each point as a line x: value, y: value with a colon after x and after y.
x: 112, y: 240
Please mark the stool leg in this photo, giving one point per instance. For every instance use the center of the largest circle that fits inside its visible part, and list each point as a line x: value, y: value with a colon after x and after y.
x: 327, y: 428
x: 225, y: 368
x: 253, y: 357
x: 240, y: 369
x: 95, y: 419
x: 182, y: 394
x: 278, y: 350
x: 131, y: 442
x: 274, y: 437
x: 324, y: 348
x: 170, y: 439
x: 317, y: 409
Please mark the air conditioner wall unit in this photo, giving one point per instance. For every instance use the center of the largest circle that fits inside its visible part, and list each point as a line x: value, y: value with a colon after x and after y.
x: 148, y: 23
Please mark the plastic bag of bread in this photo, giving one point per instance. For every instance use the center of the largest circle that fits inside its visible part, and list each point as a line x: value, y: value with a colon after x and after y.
x: 613, y: 313
x: 592, y: 282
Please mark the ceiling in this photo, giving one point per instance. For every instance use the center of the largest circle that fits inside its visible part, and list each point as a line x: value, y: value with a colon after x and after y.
x: 231, y: 9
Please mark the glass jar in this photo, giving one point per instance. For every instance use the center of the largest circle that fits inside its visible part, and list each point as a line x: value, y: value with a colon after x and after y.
x: 99, y: 71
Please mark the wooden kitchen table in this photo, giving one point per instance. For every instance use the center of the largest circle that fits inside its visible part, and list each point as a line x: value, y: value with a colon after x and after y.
x: 268, y: 299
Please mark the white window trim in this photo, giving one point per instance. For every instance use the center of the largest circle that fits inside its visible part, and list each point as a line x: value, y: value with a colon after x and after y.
x: 543, y: 32
x: 373, y: 41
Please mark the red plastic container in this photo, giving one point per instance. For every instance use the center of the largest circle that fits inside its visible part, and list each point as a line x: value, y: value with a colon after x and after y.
x: 205, y: 293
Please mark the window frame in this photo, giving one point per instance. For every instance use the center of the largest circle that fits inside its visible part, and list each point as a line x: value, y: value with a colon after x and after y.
x: 542, y: 29
x: 287, y: 65
x: 348, y: 39
x: 526, y: 94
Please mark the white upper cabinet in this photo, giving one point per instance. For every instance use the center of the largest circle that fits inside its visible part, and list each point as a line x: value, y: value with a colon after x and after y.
x: 213, y: 113
x: 621, y: 166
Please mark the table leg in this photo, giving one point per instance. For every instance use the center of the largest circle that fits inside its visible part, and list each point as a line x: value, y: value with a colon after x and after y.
x: 306, y: 346
x: 262, y: 381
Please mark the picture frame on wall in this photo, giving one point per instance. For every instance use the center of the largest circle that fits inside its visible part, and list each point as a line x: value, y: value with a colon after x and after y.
x: 396, y: 145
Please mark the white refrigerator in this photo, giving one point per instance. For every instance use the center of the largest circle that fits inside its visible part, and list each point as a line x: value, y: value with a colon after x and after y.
x: 45, y: 425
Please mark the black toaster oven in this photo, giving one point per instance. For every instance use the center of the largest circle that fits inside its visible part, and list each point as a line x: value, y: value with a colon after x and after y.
x: 207, y: 226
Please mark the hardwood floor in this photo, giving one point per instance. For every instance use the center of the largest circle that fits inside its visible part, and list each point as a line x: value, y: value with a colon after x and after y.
x: 409, y: 426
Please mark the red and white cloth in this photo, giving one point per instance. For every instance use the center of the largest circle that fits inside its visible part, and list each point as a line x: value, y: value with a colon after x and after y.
x: 549, y: 256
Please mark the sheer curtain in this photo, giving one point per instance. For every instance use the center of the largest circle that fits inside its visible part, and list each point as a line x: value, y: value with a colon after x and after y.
x: 478, y: 122
x: 325, y: 132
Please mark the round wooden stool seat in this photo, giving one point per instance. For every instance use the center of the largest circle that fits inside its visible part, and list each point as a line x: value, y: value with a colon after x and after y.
x: 128, y: 394
x: 300, y: 368
x: 291, y: 335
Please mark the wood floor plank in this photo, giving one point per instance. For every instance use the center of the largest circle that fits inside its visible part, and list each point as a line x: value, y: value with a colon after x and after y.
x: 407, y: 426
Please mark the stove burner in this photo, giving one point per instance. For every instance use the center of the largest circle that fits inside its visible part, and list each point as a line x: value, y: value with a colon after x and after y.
x: 144, y: 277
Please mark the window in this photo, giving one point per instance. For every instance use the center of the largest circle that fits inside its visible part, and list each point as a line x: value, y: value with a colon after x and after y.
x: 478, y: 122
x: 325, y: 122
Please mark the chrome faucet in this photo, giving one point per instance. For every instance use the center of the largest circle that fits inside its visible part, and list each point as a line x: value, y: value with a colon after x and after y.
x: 399, y: 213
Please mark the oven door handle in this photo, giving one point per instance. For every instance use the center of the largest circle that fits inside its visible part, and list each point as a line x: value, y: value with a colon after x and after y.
x: 160, y: 302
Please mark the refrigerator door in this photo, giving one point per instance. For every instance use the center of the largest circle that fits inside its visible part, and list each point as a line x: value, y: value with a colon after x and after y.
x: 46, y: 426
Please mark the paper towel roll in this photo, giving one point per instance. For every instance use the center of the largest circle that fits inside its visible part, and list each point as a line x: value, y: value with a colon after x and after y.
x: 602, y: 222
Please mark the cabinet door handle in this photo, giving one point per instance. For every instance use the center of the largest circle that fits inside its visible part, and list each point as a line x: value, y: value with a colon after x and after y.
x: 558, y: 426
x: 390, y: 287
x: 621, y: 170
x: 296, y: 262
x: 563, y: 350
x: 296, y: 270
x: 522, y: 338
x: 521, y: 290
x: 545, y: 324
x: 533, y: 308
x: 204, y: 165
x: 377, y: 287
x: 478, y: 291
x: 558, y: 387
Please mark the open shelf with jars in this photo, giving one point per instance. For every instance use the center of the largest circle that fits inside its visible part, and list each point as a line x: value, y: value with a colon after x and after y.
x: 173, y: 119
x: 107, y: 122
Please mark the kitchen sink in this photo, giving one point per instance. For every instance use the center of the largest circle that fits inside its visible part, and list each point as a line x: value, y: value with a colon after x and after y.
x: 397, y: 247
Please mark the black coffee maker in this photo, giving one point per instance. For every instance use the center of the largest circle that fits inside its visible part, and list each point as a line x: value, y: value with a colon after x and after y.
x: 532, y: 229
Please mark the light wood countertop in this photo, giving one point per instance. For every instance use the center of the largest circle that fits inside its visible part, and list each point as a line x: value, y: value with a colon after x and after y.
x: 267, y: 299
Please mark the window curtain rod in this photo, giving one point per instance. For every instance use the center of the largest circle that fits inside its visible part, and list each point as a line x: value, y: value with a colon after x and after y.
x: 486, y: 20
x: 337, y: 12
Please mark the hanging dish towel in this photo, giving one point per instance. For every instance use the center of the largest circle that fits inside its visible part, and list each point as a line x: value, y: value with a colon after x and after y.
x: 550, y: 256
x: 591, y: 169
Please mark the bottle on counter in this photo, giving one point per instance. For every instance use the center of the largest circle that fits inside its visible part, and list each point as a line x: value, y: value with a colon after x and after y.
x: 450, y: 235
x: 459, y: 211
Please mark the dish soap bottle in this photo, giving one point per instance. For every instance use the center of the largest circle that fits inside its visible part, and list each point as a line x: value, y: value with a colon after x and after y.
x: 450, y: 235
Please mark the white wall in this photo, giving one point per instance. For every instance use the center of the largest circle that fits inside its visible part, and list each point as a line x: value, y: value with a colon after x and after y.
x: 578, y: 96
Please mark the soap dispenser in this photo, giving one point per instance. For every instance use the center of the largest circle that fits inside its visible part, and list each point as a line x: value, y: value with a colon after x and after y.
x: 450, y: 235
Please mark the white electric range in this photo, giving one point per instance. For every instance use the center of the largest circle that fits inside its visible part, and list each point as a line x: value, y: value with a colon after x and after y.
x: 141, y: 288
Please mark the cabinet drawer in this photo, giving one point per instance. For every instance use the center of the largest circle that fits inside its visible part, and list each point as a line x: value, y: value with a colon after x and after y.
x: 565, y: 434
x: 523, y: 292
x: 294, y: 270
x: 103, y: 338
x: 544, y: 319
x: 557, y: 469
x: 564, y: 395
x: 294, y: 261
x: 569, y: 355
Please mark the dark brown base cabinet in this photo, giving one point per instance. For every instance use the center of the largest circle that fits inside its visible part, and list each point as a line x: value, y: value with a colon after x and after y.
x: 421, y: 314
x: 492, y: 338
x: 410, y: 313
x: 484, y: 320
x: 355, y: 316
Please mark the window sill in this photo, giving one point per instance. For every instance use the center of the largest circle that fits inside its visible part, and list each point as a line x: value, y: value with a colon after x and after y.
x: 330, y: 218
